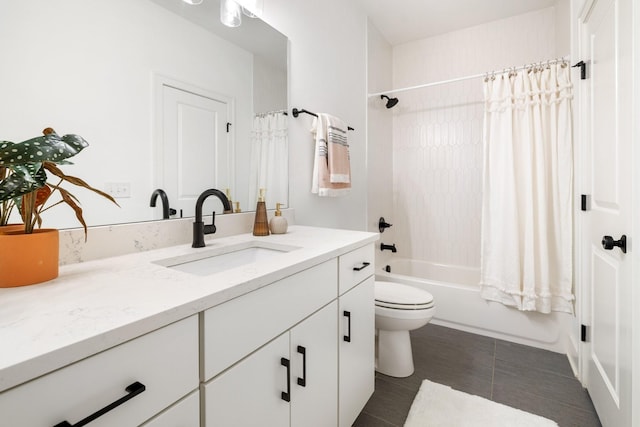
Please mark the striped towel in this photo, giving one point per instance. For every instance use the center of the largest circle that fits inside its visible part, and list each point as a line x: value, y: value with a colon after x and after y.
x: 331, y: 168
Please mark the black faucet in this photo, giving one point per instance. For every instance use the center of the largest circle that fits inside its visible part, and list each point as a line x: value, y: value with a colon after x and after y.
x: 166, y: 210
x: 199, y: 229
x: 391, y: 248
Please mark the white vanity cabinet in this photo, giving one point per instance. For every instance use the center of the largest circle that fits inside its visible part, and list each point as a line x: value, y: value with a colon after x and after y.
x: 357, y: 333
x: 184, y: 413
x: 258, y: 345
x: 299, y: 352
x: 261, y: 345
x: 291, y: 381
x: 144, y: 375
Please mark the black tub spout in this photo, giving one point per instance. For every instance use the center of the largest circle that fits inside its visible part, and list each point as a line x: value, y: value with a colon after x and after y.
x: 391, y: 248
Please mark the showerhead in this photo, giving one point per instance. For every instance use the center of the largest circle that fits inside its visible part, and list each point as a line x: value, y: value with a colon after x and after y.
x: 391, y: 102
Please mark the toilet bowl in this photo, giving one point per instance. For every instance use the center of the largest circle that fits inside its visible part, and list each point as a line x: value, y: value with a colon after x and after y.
x: 398, y: 309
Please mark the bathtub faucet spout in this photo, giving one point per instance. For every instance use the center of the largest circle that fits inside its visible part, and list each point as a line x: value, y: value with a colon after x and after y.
x: 391, y: 248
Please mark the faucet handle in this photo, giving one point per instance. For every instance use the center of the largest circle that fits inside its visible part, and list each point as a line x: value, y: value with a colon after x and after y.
x: 210, y: 229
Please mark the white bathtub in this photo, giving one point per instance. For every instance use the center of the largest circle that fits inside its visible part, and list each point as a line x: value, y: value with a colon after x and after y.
x: 459, y: 305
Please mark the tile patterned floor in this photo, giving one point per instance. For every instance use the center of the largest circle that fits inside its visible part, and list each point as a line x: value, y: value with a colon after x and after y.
x: 534, y: 380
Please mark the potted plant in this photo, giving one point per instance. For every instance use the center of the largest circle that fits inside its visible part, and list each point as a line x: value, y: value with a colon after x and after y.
x: 28, y: 253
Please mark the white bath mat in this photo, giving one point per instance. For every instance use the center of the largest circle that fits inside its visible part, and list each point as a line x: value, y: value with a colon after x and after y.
x: 438, y: 405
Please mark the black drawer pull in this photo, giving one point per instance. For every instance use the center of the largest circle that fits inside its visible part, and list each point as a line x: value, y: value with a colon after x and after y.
x: 303, y: 381
x: 286, y: 396
x: 347, y: 337
x: 364, y: 265
x: 132, y: 391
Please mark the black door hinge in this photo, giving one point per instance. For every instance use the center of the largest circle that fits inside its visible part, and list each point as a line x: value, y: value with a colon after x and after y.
x: 583, y: 333
x: 228, y: 126
x: 583, y: 69
x: 584, y: 202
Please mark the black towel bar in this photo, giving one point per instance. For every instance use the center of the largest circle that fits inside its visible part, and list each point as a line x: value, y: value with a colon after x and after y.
x: 297, y: 112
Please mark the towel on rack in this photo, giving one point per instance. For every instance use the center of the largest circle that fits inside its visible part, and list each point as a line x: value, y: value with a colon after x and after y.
x: 331, y: 168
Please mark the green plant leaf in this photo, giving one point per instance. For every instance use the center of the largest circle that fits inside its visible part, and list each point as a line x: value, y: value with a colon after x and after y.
x: 24, y: 179
x: 49, y: 148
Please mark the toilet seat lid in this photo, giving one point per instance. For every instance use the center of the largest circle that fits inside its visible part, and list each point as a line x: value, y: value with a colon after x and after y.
x: 399, y: 296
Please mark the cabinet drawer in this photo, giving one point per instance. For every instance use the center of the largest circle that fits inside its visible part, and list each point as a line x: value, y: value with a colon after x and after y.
x: 185, y: 413
x: 236, y: 328
x: 164, y: 361
x: 353, y: 267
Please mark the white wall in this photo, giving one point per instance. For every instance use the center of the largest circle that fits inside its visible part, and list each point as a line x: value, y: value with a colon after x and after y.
x: 563, y: 27
x: 379, y: 141
x: 269, y: 86
x: 327, y: 74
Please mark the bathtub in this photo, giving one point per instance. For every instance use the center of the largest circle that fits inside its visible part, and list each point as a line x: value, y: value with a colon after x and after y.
x: 458, y: 304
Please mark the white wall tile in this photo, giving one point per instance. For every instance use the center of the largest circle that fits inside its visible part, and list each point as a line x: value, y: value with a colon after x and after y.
x: 437, y: 132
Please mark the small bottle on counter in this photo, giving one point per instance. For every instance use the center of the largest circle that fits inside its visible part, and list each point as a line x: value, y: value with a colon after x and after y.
x: 278, y: 224
x: 228, y: 194
x: 261, y: 223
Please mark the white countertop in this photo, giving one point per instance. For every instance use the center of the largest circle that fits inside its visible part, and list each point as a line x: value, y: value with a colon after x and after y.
x: 96, y: 305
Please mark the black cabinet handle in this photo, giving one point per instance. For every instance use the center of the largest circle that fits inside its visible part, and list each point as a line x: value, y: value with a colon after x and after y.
x: 364, y: 265
x: 286, y: 396
x: 347, y: 337
x: 132, y: 391
x: 303, y: 381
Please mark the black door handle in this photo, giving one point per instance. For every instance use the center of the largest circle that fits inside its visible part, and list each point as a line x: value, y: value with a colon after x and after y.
x: 303, y: 381
x: 132, y: 391
x: 286, y: 396
x: 608, y: 243
x: 347, y: 337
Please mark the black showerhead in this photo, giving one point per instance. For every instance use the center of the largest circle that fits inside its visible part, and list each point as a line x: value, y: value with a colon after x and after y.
x: 391, y: 102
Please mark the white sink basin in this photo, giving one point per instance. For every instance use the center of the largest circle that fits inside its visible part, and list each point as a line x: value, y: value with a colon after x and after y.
x: 211, y: 261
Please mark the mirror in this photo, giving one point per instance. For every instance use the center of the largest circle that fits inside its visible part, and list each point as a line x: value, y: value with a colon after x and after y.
x: 98, y: 68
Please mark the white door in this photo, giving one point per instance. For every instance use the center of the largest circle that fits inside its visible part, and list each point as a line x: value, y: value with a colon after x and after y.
x: 196, y: 150
x: 314, y: 367
x: 250, y: 393
x: 606, y: 46
x: 357, y: 351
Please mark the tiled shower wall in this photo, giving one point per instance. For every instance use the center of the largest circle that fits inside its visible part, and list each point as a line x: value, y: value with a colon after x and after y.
x: 437, y: 132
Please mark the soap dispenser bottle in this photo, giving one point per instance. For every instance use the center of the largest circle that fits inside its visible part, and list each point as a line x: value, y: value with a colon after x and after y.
x: 261, y: 224
x: 278, y: 224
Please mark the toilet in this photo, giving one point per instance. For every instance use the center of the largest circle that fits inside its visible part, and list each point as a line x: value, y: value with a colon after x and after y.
x: 398, y: 309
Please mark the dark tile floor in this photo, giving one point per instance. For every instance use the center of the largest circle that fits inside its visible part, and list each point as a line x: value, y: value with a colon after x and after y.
x: 534, y: 380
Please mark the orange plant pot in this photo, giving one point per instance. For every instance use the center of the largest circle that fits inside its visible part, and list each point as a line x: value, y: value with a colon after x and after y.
x: 11, y: 227
x: 27, y: 259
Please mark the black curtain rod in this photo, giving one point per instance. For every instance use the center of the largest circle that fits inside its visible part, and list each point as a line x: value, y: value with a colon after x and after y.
x: 297, y: 112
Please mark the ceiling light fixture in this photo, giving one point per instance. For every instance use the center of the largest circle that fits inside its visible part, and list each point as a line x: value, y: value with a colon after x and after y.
x: 230, y: 13
x: 252, y: 8
x: 193, y: 2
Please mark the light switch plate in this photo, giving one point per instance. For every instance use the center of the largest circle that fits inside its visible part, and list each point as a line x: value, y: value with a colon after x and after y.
x: 118, y: 190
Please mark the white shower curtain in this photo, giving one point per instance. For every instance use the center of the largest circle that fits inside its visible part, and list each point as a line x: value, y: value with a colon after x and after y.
x: 526, y: 242
x: 269, y: 159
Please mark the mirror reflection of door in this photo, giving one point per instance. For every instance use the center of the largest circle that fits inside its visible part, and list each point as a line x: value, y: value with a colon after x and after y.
x: 196, y: 149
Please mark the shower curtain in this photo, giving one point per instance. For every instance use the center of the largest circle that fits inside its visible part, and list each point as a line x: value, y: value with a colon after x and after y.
x: 526, y: 232
x: 269, y: 159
